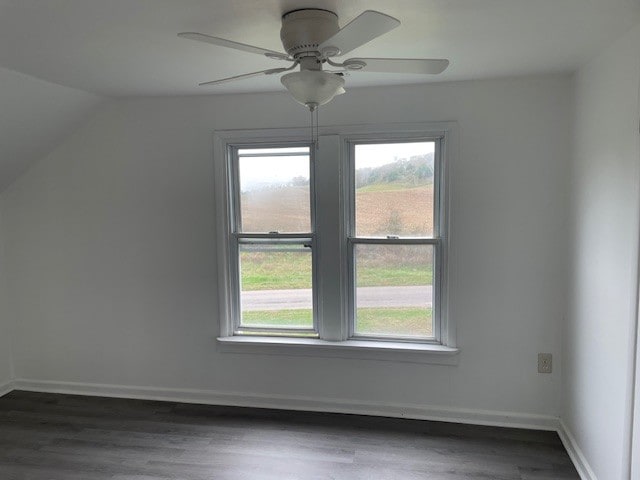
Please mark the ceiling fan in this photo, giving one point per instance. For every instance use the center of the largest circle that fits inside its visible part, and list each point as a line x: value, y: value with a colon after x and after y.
x: 312, y: 38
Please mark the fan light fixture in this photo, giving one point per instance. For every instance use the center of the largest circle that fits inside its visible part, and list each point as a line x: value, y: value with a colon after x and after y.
x: 312, y: 39
x: 313, y: 88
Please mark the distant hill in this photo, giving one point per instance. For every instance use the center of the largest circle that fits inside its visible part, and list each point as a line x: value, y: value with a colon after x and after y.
x: 415, y: 170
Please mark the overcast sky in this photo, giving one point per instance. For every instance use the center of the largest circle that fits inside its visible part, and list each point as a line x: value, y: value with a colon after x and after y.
x: 258, y: 171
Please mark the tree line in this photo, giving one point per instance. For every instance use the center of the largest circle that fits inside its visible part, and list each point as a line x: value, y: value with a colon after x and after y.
x: 415, y: 170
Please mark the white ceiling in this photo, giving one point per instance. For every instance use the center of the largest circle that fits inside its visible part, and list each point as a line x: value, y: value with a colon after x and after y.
x: 129, y: 47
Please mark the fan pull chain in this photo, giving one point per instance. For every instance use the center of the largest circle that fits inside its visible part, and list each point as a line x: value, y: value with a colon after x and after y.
x: 315, y: 133
x: 311, y: 113
x: 317, y: 129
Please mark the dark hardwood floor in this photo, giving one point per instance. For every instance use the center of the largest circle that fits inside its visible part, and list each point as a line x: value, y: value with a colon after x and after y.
x: 59, y: 437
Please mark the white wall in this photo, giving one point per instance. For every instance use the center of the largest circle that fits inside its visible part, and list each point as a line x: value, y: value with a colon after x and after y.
x: 603, y: 250
x: 34, y: 116
x: 6, y: 357
x: 110, y: 249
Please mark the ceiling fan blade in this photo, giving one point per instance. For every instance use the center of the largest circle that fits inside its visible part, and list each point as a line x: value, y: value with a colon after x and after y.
x: 362, y: 29
x: 221, y: 42
x: 244, y: 75
x: 403, y: 65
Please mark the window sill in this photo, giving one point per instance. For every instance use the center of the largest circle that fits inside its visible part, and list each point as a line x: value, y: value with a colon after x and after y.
x: 350, y: 349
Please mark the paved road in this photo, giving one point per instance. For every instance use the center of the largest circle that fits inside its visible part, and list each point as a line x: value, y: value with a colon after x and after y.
x: 414, y: 296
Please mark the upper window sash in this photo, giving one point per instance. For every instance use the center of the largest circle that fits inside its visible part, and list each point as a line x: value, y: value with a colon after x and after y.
x: 272, y: 151
x: 353, y: 141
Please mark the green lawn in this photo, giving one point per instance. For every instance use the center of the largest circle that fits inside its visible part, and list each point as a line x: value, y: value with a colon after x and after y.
x: 372, y: 321
x: 291, y: 270
x: 396, y: 321
x: 286, y: 270
x: 394, y: 276
x: 279, y: 318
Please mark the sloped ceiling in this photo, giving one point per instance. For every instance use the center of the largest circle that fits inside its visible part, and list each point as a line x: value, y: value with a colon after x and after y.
x: 34, y: 116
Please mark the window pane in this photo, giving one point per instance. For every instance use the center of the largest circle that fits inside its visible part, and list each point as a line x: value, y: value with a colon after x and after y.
x: 394, y: 189
x: 394, y: 290
x: 275, y: 193
x: 275, y: 286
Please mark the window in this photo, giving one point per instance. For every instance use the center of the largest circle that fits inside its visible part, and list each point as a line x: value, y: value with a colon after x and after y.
x: 345, y: 243
x: 272, y: 240
x: 394, y: 244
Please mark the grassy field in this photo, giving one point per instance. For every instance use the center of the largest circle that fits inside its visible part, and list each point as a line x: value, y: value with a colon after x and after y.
x: 288, y: 271
x: 280, y: 209
x: 293, y: 270
x: 370, y: 321
x: 382, y: 209
x: 394, y: 209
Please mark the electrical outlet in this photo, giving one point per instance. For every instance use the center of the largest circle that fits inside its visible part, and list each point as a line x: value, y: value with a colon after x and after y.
x: 545, y: 363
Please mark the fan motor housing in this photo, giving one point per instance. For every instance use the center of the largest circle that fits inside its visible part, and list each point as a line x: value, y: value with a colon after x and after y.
x: 304, y: 30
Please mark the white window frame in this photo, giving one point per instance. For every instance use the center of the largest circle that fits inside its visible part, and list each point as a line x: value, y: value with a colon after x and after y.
x: 237, y: 237
x: 436, y: 240
x: 332, y: 309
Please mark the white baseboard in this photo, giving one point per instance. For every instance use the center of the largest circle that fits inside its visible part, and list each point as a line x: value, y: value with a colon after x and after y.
x: 6, y: 388
x: 575, y: 453
x: 412, y: 411
x: 211, y: 397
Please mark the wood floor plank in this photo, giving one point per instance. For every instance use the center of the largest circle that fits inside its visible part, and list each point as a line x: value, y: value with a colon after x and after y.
x: 71, y: 437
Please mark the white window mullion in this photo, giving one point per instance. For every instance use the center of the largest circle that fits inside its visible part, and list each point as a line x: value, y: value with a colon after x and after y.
x: 331, y: 252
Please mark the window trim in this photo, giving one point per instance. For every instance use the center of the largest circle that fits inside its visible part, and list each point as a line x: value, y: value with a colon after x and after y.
x: 422, y: 352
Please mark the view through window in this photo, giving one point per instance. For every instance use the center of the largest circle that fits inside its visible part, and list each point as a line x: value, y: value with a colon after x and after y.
x: 274, y: 234
x: 386, y: 220
x: 393, y: 239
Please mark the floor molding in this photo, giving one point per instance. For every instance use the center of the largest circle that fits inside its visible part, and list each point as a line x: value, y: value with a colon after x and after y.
x: 6, y: 388
x: 211, y: 397
x: 575, y: 453
x: 412, y: 411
